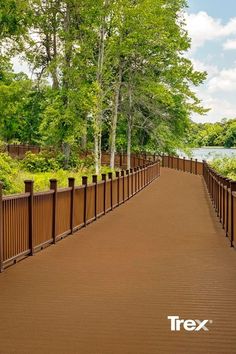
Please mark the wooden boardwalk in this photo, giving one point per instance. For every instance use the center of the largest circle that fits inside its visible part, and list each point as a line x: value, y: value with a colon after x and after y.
x: 109, y: 288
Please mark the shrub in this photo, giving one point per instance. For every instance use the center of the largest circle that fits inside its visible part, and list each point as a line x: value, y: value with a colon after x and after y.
x: 3, y: 146
x: 225, y: 166
x: 42, y: 162
x: 8, y: 172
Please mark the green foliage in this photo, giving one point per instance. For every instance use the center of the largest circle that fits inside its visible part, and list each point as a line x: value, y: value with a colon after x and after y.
x: 107, y: 75
x: 42, y: 162
x: 41, y: 169
x: 51, y: 161
x: 225, y: 166
x: 13, y: 17
x: 8, y: 172
x: 213, y: 134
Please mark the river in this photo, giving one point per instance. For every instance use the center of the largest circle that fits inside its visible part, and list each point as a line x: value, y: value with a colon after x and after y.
x: 210, y: 153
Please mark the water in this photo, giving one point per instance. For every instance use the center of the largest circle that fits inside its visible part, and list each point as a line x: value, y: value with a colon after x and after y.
x: 210, y: 153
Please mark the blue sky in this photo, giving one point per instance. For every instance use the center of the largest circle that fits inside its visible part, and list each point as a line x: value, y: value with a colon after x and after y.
x: 212, y: 27
x: 223, y: 9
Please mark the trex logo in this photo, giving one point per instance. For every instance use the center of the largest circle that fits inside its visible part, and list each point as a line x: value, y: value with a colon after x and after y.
x: 187, y: 325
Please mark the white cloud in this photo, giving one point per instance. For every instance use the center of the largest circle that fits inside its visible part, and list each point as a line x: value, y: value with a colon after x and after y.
x: 202, y: 28
x: 217, y: 92
x: 225, y: 81
x: 230, y: 44
x: 220, y: 108
x: 211, y: 69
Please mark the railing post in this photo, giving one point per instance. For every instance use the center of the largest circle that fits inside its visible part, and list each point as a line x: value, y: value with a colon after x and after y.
x: 71, y: 183
x: 132, y: 182
x: 177, y: 162
x: 127, y: 173
x: 135, y: 180
x: 196, y: 166
x: 29, y: 188
x: 218, y: 194
x: 104, y: 178
x: 111, y: 189
x: 120, y: 160
x: 53, y: 186
x: 139, y: 180
x: 183, y: 164
x: 1, y: 230
x: 232, y: 189
x: 191, y: 165
x: 118, y: 187
x: 145, y: 175
x: 223, y: 202
x: 227, y: 207
x: 123, y: 186
x: 95, y: 181
x: 85, y: 184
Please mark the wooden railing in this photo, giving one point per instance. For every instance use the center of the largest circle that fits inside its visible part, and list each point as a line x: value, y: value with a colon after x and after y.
x: 19, y: 150
x: 182, y: 164
x: 222, y: 191
x: 31, y: 221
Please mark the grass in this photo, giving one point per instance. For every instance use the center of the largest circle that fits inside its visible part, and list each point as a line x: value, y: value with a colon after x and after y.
x: 42, y: 179
x: 13, y: 173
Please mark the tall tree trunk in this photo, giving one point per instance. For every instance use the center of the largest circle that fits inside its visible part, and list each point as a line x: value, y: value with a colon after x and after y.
x: 66, y: 80
x: 96, y: 153
x: 66, y: 149
x: 114, y: 118
x: 99, y: 110
x: 100, y: 147
x: 129, y: 129
x: 84, y: 137
x: 55, y: 81
x: 129, y: 137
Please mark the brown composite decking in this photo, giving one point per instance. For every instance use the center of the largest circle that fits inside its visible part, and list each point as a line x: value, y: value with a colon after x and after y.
x: 109, y: 288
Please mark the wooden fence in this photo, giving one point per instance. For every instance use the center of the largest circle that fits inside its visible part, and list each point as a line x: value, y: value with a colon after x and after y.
x: 19, y: 151
x: 183, y: 164
x: 222, y: 192
x: 31, y: 221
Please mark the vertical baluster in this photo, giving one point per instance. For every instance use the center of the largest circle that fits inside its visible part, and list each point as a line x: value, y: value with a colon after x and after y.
x: 71, y: 183
x: 85, y: 184
x: 1, y: 229
x: 29, y: 188
x: 95, y: 181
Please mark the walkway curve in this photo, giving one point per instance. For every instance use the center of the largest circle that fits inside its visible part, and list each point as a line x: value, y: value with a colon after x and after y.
x: 109, y: 288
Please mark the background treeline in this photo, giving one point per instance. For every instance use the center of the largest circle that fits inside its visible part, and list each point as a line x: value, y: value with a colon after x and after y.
x: 106, y: 75
x: 213, y: 134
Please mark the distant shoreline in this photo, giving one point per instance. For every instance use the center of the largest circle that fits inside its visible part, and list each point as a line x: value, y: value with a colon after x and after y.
x: 214, y: 147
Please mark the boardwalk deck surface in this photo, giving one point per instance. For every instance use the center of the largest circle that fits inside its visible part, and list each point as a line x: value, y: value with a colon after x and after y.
x: 109, y: 288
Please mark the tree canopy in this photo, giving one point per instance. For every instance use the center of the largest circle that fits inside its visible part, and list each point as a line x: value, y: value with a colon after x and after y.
x: 106, y: 75
x: 212, y: 134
